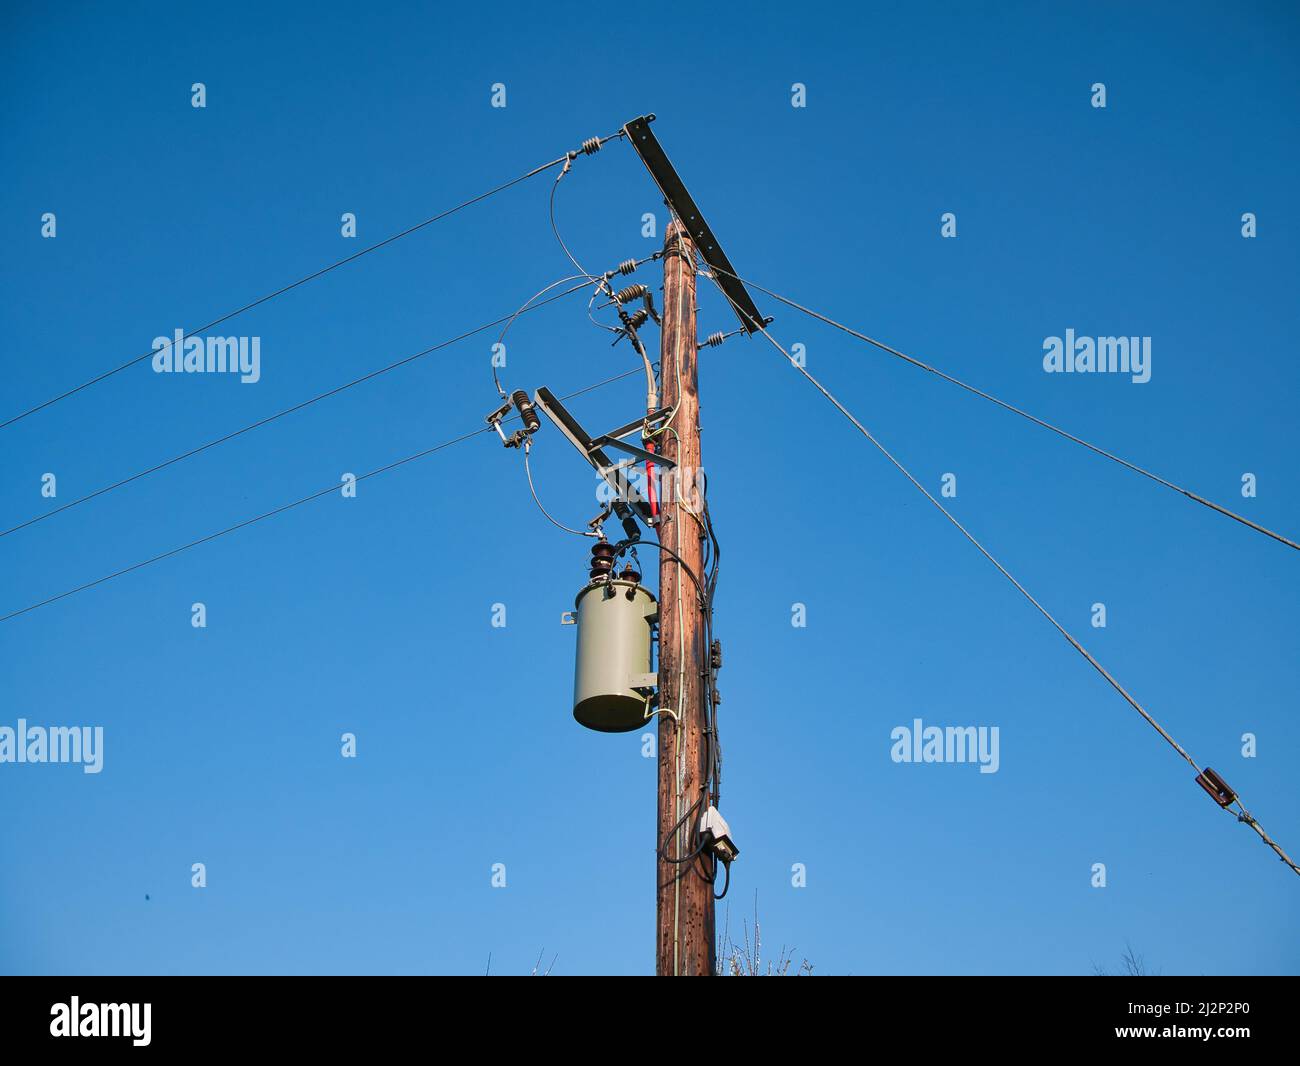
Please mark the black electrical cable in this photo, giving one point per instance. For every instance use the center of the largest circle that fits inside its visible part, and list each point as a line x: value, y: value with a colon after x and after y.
x: 706, y: 605
x: 726, y: 884
x: 509, y: 320
x: 556, y: 229
x: 710, y: 787
x: 626, y: 267
x: 621, y: 546
x: 710, y: 752
x: 528, y: 473
x: 290, y: 506
x: 567, y: 158
x: 712, y: 709
x: 706, y: 590
x: 699, y: 847
x: 709, y: 873
x: 287, y: 411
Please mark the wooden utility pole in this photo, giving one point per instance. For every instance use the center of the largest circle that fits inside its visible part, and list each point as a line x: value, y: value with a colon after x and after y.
x: 684, y: 928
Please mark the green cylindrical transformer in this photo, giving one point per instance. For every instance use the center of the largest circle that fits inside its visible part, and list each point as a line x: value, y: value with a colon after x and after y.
x: 613, y: 657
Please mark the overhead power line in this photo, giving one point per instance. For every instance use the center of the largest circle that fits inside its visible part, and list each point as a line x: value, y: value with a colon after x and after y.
x: 291, y: 410
x: 1018, y: 411
x: 589, y: 147
x: 290, y: 506
x: 1244, y: 815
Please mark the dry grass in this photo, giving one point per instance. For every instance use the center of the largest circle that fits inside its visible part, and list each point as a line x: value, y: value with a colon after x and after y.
x: 746, y: 958
x: 1132, y: 965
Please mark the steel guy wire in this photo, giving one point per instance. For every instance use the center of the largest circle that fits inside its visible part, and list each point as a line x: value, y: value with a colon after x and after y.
x: 1016, y: 410
x: 1244, y: 815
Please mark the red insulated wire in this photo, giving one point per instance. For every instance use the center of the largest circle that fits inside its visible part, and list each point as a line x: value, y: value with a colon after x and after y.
x: 650, y: 482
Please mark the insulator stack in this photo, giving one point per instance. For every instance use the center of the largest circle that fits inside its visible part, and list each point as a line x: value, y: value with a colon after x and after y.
x: 626, y: 267
x: 602, y: 559
x: 632, y: 292
x: 526, y: 411
x: 713, y: 340
x: 637, y: 318
x: 591, y: 146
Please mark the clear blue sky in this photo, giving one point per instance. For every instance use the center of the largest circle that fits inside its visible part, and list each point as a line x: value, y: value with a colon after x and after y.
x: 372, y: 615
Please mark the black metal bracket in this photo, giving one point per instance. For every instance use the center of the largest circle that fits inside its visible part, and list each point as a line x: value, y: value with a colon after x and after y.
x: 614, y: 439
x: 627, y: 503
x: 683, y: 205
